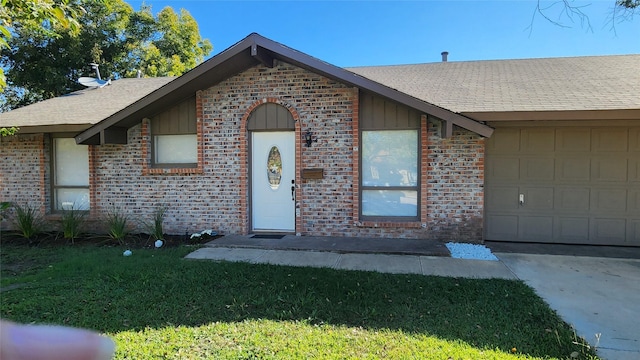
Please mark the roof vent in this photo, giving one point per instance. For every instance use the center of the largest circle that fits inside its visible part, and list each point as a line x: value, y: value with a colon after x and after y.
x: 444, y: 54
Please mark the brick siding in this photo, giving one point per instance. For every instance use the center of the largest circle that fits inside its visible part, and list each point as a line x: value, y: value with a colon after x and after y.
x: 23, y: 174
x: 216, y: 194
x: 455, y: 185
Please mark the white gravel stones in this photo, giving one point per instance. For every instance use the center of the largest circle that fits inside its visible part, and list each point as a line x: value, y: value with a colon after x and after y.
x: 470, y: 251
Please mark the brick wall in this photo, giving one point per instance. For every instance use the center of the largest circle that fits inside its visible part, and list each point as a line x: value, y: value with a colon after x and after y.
x: 455, y: 185
x: 23, y: 174
x: 217, y: 196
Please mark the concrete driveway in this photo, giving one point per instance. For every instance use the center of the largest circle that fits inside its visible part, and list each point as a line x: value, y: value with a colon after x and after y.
x: 599, y: 296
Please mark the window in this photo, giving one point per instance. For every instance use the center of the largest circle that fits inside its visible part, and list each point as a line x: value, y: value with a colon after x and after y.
x: 175, y: 149
x: 175, y: 143
x: 70, y: 175
x: 390, y: 174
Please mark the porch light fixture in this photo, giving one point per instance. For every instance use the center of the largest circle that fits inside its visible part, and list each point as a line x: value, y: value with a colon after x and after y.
x: 310, y: 138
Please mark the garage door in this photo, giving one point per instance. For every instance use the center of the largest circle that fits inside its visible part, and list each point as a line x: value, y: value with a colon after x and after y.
x: 576, y: 185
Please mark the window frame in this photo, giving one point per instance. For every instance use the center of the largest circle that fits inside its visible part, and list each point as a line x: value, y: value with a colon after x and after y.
x: 53, y: 172
x: 416, y: 187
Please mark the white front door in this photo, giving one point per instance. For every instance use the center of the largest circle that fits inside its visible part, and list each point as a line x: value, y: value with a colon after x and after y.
x: 273, y: 181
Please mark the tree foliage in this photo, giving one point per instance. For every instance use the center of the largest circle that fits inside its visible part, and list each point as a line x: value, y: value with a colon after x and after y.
x: 46, y: 64
x: 37, y: 15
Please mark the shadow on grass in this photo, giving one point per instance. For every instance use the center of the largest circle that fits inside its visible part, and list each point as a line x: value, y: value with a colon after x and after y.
x: 98, y: 288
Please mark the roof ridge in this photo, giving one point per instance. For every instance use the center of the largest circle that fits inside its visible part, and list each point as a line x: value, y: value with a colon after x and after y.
x: 494, y: 60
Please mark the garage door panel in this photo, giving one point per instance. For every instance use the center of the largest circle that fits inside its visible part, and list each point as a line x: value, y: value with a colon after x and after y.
x: 503, y: 198
x: 609, y: 169
x: 538, y: 140
x: 503, y: 169
x: 608, y: 231
x: 633, y: 202
x: 502, y: 227
x: 634, y: 170
x: 609, y: 139
x: 573, y: 199
x: 571, y: 140
x: 633, y: 233
x: 572, y: 230
x: 634, y: 139
x: 537, y: 169
x: 507, y: 141
x: 608, y: 201
x: 571, y: 169
x: 536, y: 228
x: 538, y: 198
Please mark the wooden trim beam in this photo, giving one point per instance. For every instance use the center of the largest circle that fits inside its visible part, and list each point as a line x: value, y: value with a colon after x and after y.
x: 93, y: 140
x: 446, y: 130
x: 260, y: 55
x: 113, y: 135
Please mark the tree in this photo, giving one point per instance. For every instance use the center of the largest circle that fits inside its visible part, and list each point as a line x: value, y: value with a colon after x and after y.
x: 566, y: 10
x: 112, y: 34
x: 35, y: 14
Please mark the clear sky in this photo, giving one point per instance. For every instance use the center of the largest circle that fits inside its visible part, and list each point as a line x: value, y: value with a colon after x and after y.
x: 359, y: 33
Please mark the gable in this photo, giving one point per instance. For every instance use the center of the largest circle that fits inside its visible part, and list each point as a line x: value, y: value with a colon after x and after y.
x: 251, y: 51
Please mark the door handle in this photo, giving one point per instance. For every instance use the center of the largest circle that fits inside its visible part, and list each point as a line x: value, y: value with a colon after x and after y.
x: 521, y: 199
x: 293, y: 190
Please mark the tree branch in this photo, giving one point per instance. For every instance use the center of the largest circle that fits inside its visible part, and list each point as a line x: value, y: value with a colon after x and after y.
x: 568, y: 11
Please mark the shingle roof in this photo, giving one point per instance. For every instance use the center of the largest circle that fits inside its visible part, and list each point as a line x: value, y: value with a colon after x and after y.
x: 83, y: 107
x: 453, y: 91
x: 550, y: 84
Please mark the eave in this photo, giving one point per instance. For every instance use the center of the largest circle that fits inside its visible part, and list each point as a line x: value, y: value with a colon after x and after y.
x: 559, y: 115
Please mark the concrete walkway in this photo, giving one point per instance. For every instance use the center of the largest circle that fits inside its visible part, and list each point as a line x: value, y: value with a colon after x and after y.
x: 387, y: 263
x: 593, y: 294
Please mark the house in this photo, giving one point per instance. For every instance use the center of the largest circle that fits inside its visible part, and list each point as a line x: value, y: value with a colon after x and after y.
x: 264, y: 138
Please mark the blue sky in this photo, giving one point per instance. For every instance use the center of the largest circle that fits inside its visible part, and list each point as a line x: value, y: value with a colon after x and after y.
x: 355, y: 33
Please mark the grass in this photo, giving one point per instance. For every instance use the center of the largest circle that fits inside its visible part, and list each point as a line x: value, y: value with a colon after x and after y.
x: 155, y: 304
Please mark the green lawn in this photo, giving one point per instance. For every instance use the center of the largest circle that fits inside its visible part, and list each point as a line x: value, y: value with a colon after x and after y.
x: 155, y: 304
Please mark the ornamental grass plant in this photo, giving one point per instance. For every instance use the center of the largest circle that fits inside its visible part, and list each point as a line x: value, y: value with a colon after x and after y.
x: 27, y: 220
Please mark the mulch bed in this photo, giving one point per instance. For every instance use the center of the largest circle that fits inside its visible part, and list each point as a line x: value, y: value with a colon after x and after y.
x: 133, y: 241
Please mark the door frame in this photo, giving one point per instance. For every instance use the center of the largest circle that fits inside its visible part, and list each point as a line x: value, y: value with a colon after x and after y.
x: 244, y: 209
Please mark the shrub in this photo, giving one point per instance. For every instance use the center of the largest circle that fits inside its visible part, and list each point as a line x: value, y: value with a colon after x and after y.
x: 117, y: 225
x: 28, y: 221
x: 72, y: 223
